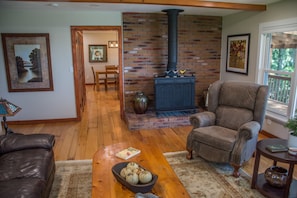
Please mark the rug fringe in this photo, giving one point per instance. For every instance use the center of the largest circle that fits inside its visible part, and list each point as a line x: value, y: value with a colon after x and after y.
x: 175, y: 153
x: 74, y: 161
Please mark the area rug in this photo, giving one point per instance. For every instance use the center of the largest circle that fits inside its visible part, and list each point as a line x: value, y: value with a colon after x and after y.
x: 210, y: 180
x: 201, y: 179
x: 73, y: 179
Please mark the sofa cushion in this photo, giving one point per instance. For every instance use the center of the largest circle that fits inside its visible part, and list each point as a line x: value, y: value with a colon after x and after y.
x: 216, y: 136
x: 16, y: 141
x: 21, y: 188
x: 34, y: 163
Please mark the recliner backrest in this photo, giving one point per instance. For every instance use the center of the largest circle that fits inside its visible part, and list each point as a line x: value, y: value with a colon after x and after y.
x: 242, y: 95
x: 236, y: 103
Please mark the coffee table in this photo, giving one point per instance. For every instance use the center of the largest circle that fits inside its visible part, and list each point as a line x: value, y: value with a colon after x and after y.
x: 104, y: 184
x: 259, y: 182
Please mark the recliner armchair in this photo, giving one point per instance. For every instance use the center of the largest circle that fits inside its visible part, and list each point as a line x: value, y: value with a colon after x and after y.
x: 228, y: 131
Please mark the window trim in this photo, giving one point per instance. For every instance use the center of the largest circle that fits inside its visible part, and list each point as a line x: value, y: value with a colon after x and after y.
x: 271, y: 27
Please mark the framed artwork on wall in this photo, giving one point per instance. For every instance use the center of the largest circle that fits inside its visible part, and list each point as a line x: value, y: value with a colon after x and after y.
x: 97, y: 53
x: 27, y: 62
x: 238, y: 53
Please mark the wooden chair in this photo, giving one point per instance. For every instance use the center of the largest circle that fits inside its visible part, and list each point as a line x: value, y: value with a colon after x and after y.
x: 101, y: 80
x: 111, y: 75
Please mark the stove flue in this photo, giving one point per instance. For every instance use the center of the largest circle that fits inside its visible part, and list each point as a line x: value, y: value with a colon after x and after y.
x: 172, y: 41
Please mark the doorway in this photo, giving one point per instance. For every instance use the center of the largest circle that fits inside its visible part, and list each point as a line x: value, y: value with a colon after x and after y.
x: 78, y: 64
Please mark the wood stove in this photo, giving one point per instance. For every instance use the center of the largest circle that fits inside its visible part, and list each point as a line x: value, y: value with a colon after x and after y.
x: 174, y: 93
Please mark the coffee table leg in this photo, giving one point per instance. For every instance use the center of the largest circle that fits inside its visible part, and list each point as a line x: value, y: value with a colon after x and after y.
x: 256, y: 168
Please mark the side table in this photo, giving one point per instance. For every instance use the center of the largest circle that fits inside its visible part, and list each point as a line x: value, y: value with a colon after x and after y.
x: 258, y: 180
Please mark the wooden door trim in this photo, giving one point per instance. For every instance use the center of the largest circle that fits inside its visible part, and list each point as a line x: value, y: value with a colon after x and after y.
x: 75, y: 29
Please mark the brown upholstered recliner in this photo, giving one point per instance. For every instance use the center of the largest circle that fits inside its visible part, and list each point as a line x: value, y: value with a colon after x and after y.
x: 228, y: 131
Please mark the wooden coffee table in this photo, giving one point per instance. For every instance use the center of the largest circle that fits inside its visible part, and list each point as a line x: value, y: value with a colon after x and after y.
x: 259, y: 182
x: 104, y: 184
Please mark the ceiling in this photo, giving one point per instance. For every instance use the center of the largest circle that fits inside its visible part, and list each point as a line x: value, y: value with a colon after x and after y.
x: 117, y: 7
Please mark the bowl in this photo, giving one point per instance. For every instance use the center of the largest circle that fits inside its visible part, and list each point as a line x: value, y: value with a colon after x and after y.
x: 276, y: 176
x: 142, y: 188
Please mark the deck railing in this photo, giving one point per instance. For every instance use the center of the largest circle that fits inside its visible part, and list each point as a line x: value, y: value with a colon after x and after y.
x: 279, y: 88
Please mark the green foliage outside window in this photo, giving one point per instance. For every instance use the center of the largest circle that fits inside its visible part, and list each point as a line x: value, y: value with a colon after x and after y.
x: 283, y: 59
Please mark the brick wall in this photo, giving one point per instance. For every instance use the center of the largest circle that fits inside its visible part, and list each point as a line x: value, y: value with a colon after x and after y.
x: 145, y: 52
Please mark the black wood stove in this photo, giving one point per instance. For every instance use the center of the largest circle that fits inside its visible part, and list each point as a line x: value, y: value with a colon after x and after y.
x: 174, y: 93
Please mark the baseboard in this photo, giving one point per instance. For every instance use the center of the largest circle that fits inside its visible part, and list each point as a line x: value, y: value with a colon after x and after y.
x: 43, y: 121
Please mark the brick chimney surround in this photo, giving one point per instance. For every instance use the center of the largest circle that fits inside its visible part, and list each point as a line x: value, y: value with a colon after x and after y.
x: 145, y: 46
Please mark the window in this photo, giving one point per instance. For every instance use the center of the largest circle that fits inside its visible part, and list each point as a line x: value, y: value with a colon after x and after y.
x: 278, y: 66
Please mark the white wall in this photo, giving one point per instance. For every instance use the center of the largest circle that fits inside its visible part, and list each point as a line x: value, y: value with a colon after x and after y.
x: 60, y: 103
x: 99, y: 38
x: 248, y: 22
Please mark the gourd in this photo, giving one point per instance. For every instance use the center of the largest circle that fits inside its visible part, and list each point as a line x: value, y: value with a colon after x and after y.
x: 125, y: 171
x: 145, y: 176
x: 135, y: 174
x: 132, y: 178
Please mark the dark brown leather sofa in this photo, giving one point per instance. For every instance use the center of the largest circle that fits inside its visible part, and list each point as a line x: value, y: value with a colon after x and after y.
x: 27, y: 165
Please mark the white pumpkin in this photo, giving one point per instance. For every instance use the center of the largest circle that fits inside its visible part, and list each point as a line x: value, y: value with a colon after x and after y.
x: 132, y: 165
x: 145, y: 176
x: 137, y: 170
x: 132, y: 178
x: 125, y: 171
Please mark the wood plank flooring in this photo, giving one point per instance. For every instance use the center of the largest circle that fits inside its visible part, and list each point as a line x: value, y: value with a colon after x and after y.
x: 101, y: 125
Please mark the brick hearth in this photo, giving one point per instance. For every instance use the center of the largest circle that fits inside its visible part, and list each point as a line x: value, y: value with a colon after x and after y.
x: 150, y: 120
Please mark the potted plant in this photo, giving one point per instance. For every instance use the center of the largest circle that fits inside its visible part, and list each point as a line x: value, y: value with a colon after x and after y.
x: 292, y: 126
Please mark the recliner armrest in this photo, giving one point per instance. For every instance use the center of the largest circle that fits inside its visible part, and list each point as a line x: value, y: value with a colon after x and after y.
x: 249, y: 130
x: 202, y: 119
x: 14, y: 142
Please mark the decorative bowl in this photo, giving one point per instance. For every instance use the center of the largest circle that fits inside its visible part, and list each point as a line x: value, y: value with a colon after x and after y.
x: 142, y: 188
x: 276, y: 176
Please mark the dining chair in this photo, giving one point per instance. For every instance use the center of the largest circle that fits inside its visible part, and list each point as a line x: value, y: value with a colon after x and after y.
x: 101, y: 80
x: 111, y: 75
x: 94, y: 77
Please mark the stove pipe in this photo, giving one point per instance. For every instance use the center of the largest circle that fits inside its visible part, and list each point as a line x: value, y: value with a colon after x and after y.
x: 172, y: 39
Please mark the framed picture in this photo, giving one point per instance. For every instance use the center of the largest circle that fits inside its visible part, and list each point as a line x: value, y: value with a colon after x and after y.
x: 27, y: 62
x: 97, y: 53
x: 238, y: 53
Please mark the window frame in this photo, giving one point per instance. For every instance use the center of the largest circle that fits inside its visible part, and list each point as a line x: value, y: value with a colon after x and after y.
x: 263, y: 62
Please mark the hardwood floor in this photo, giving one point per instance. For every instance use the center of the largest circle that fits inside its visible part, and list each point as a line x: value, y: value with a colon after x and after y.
x: 101, y: 126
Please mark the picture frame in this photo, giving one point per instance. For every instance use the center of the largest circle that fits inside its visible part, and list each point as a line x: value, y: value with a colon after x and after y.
x: 27, y: 62
x: 97, y: 53
x: 238, y: 53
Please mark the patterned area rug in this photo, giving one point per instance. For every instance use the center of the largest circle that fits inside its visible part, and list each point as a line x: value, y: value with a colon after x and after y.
x: 210, y: 180
x: 73, y: 179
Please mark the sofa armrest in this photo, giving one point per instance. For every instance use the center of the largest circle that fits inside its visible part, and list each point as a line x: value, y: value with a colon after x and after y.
x: 202, y: 119
x: 14, y: 142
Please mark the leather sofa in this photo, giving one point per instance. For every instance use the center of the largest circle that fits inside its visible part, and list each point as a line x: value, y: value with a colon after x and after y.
x: 27, y: 165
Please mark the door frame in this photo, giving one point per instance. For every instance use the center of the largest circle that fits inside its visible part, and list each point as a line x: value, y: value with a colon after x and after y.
x: 75, y: 29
